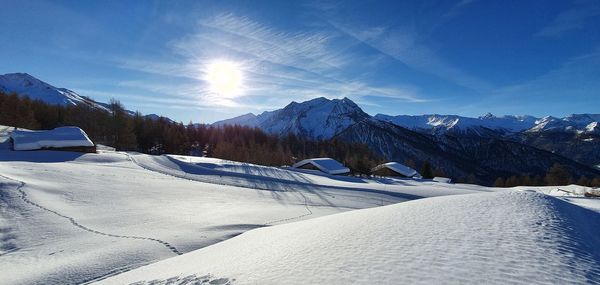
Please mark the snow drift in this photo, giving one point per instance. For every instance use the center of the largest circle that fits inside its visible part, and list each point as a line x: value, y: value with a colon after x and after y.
x: 505, y: 237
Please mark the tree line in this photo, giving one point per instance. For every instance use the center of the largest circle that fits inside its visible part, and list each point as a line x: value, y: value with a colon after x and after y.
x: 119, y: 128
x: 557, y: 175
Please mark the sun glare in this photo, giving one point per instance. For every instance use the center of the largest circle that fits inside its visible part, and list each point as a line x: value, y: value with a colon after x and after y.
x: 224, y: 78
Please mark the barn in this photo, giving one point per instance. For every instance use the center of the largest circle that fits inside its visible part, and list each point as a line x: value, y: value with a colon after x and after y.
x: 395, y: 169
x: 323, y: 164
x: 62, y: 138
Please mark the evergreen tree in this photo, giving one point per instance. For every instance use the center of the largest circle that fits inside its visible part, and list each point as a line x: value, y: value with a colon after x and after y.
x: 426, y: 170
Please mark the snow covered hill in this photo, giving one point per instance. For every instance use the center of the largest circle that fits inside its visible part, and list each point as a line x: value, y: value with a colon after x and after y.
x: 495, y: 238
x: 25, y: 84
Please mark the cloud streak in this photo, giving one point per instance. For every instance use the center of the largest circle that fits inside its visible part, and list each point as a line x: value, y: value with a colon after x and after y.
x: 276, y: 64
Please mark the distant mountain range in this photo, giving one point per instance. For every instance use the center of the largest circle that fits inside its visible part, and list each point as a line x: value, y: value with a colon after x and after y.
x: 487, y: 146
x: 338, y: 114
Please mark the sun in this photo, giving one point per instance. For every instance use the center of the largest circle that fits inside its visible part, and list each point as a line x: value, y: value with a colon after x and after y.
x: 224, y: 78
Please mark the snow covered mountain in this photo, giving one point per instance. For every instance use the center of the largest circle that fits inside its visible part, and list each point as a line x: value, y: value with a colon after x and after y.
x: 578, y: 123
x: 439, y: 124
x: 318, y: 118
x: 443, y: 123
x: 25, y: 84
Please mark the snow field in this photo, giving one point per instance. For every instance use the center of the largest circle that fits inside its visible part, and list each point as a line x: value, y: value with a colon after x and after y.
x: 501, y: 238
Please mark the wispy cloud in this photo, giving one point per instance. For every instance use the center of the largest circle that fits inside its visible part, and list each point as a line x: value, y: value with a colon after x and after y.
x: 407, y: 43
x: 571, y: 19
x: 277, y: 64
x: 404, y: 45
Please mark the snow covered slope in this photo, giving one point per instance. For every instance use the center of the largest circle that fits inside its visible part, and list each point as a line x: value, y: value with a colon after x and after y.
x: 71, y: 218
x: 494, y: 238
x: 25, y: 84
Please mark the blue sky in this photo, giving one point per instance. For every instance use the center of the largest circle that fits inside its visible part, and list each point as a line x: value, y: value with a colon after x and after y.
x: 464, y: 57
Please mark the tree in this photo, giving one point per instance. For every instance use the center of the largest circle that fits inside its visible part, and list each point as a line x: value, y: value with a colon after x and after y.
x: 122, y: 127
x: 426, y: 170
x: 527, y: 180
x: 471, y: 179
x: 583, y: 181
x: 557, y: 175
x: 499, y: 182
x: 512, y: 181
x: 595, y: 182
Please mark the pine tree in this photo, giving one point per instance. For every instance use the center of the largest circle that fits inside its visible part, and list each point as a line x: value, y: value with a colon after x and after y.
x: 426, y: 170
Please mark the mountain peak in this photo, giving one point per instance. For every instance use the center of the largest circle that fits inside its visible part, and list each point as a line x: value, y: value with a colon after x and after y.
x: 318, y: 118
x: 488, y: 115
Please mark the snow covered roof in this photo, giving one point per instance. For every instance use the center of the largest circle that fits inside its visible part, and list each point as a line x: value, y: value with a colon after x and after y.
x: 442, y: 179
x: 325, y: 164
x: 56, y: 138
x: 398, y: 168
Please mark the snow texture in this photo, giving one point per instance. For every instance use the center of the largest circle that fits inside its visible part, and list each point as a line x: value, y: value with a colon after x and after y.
x: 515, y: 237
x: 71, y: 218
